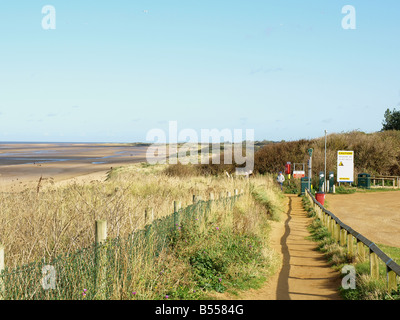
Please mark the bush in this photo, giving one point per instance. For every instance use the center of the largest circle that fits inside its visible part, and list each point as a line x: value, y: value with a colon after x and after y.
x: 375, y: 153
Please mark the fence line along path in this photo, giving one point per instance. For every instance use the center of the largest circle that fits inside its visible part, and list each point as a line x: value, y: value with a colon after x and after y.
x: 357, y: 244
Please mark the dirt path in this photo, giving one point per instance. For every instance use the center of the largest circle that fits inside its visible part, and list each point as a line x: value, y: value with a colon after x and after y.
x: 304, y: 273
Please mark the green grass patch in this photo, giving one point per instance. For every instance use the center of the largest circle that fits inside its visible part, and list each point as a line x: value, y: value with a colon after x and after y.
x: 220, y: 257
x: 271, y: 200
x: 345, y: 189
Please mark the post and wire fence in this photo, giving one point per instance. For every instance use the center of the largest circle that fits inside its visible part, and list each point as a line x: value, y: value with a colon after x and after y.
x: 101, y: 271
x: 357, y: 244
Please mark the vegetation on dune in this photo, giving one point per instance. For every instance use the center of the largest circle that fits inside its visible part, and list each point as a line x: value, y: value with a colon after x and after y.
x: 375, y: 153
x: 227, y: 251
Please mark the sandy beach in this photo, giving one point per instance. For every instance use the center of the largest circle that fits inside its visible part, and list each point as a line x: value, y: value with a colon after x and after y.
x: 22, y: 165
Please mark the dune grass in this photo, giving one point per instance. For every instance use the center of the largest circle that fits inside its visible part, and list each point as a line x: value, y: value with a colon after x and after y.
x: 228, y: 250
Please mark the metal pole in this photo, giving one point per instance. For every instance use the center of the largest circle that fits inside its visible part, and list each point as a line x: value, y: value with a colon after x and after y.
x: 325, y: 189
x: 309, y: 174
x: 310, y: 151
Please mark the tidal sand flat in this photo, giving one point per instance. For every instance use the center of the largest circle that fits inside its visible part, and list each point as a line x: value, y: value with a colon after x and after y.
x: 23, y: 164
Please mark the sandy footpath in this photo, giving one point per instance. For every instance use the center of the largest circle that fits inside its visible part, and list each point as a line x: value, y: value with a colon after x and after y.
x: 22, y: 165
x: 304, y: 273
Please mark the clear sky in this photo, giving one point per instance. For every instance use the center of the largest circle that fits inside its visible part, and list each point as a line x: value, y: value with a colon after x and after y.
x: 113, y: 70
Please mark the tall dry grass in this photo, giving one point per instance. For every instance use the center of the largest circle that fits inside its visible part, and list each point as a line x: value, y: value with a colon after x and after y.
x: 60, y: 220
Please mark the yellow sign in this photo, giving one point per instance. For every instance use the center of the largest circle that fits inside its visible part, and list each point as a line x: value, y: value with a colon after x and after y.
x: 345, y: 153
x: 345, y: 166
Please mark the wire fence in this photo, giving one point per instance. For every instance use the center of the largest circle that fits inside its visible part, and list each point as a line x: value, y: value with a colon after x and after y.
x: 106, y: 268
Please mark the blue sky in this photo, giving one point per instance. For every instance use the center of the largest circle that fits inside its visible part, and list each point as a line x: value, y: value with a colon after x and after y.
x: 113, y: 70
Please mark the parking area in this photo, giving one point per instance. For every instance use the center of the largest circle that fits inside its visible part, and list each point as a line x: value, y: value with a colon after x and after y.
x: 376, y: 215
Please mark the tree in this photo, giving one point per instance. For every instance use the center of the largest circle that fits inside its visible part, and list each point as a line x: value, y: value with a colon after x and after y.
x: 391, y: 121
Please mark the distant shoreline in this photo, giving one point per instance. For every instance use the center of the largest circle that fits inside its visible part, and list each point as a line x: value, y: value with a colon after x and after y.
x: 22, y: 164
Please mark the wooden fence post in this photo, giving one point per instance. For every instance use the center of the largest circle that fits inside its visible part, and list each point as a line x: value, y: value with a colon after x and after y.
x: 343, y: 237
x: 337, y: 232
x: 2, y: 267
x: 326, y: 217
x: 360, y: 250
x: 194, y: 198
x: 350, y: 244
x: 373, y: 264
x: 101, y: 231
x: 146, y: 216
x: 176, y: 217
x: 101, y: 259
x: 391, y: 279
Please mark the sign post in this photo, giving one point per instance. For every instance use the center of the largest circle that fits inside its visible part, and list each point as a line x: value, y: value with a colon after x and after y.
x: 310, y: 151
x: 345, y: 166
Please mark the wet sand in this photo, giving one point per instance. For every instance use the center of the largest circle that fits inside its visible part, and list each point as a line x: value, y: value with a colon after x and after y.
x: 22, y: 165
